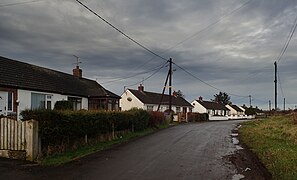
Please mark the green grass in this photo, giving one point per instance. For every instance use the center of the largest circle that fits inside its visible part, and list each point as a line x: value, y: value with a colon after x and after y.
x: 275, y: 142
x: 62, y: 158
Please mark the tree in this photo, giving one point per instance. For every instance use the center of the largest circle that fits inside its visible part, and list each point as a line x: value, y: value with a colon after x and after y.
x: 179, y: 93
x: 222, y: 97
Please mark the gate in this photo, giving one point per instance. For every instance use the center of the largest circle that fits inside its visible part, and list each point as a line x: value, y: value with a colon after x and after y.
x: 19, y: 139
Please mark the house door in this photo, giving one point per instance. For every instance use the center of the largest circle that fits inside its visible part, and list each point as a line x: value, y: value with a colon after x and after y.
x: 3, y: 103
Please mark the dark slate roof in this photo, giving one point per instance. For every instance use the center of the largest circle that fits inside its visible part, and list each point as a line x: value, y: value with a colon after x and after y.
x: 212, y: 105
x: 236, y: 108
x: 154, y: 98
x: 26, y: 76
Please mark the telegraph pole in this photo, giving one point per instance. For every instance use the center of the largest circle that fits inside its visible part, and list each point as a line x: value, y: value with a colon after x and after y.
x: 269, y: 105
x: 275, y: 86
x: 170, y: 85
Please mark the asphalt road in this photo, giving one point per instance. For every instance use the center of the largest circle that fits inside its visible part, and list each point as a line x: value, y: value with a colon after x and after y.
x: 188, y: 151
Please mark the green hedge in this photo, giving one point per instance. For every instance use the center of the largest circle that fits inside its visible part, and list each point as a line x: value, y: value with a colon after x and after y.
x: 196, y: 117
x: 58, y: 127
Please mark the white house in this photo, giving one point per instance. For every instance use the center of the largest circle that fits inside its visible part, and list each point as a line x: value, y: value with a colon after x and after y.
x: 150, y: 101
x: 234, y: 110
x: 216, y: 111
x: 25, y: 86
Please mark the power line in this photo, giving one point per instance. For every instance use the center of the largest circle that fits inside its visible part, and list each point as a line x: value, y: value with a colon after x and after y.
x: 280, y: 84
x: 19, y: 3
x: 148, y: 76
x: 208, y: 27
x: 128, y: 77
x: 121, y: 32
x: 189, y: 73
x: 288, y: 40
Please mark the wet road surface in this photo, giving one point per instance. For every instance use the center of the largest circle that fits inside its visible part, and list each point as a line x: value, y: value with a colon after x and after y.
x: 187, y: 151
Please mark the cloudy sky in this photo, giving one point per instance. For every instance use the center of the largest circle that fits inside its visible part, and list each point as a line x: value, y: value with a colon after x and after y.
x: 231, y: 45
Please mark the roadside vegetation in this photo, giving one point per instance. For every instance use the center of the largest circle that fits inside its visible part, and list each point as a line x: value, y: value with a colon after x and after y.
x: 84, y: 150
x: 274, y: 140
x: 66, y: 135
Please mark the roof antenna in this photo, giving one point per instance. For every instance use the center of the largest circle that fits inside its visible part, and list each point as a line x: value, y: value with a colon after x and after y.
x: 77, y: 61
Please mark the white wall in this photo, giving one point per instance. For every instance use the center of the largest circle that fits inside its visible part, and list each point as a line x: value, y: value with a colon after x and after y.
x: 198, y: 107
x: 136, y: 103
x: 24, y: 98
x: 127, y: 105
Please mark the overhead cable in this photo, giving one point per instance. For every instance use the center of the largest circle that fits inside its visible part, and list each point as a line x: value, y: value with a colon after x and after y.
x: 288, y: 41
x: 131, y: 76
x: 121, y: 32
x: 189, y: 73
x: 19, y: 3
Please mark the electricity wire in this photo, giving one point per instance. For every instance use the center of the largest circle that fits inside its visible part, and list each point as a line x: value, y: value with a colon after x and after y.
x: 189, y: 73
x: 121, y: 32
x: 19, y: 3
x: 288, y: 40
x: 146, y: 77
x: 128, y: 77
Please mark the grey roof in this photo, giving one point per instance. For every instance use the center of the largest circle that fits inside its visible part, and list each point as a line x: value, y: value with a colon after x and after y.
x: 236, y: 108
x: 212, y: 105
x: 22, y: 75
x: 154, y: 98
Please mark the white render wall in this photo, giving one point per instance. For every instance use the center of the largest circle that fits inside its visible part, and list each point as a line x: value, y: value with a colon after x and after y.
x: 232, y: 111
x: 136, y: 103
x: 24, y: 99
x: 198, y: 107
x: 127, y: 105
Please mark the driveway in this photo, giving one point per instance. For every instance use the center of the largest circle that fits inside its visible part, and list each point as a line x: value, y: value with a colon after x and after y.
x: 188, y: 151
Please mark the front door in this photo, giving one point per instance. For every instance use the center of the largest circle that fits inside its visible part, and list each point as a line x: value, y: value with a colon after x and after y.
x: 3, y: 103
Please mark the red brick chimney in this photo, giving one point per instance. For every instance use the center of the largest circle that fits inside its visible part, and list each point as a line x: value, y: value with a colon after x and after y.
x: 77, y: 72
x: 141, y: 88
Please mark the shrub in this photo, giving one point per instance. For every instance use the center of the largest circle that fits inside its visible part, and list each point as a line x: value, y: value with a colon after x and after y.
x: 197, y: 117
x: 156, y: 118
x: 140, y: 118
x: 63, y: 105
x: 64, y: 128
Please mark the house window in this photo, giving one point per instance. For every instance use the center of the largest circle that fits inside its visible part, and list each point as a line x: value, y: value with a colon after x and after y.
x: 48, y: 105
x: 76, y: 103
x: 9, y: 101
x: 37, y: 101
x: 150, y: 108
x: 177, y: 109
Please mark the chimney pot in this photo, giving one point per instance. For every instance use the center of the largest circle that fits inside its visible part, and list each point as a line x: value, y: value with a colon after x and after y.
x: 141, y: 88
x: 77, y: 72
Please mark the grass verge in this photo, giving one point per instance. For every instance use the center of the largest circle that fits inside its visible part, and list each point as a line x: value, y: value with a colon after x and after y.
x: 62, y: 158
x: 275, y: 142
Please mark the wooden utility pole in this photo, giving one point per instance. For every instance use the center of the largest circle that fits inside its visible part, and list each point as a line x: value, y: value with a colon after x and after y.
x: 269, y: 105
x: 250, y: 100
x: 275, y: 86
x: 170, y: 85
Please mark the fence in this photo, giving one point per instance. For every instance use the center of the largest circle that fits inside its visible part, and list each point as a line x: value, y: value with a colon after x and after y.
x: 19, y: 140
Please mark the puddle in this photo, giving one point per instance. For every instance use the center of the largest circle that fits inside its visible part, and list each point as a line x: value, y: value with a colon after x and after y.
x: 235, y: 141
x: 237, y: 177
x: 234, y: 134
x: 238, y: 147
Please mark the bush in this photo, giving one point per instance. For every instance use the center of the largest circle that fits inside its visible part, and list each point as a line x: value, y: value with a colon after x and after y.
x: 140, y: 118
x: 63, y: 105
x: 197, y: 117
x: 156, y: 118
x: 66, y: 127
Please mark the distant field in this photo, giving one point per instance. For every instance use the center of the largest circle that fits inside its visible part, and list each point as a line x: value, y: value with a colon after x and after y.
x: 274, y: 140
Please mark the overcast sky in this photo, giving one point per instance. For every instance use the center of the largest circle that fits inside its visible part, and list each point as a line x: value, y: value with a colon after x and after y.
x: 229, y: 44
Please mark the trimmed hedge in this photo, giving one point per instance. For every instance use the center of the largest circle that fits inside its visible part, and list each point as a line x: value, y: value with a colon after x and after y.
x: 60, y: 127
x: 197, y: 117
x: 63, y: 105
